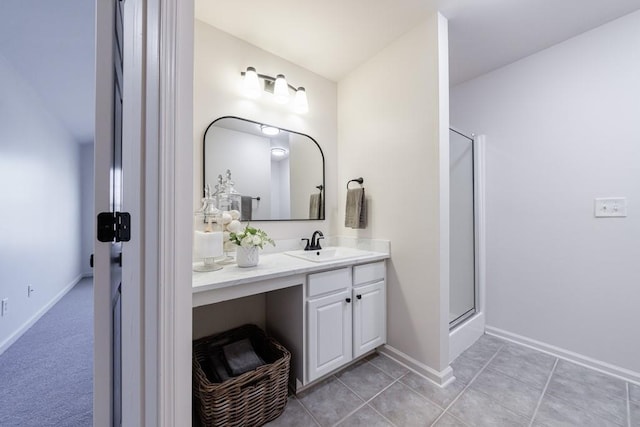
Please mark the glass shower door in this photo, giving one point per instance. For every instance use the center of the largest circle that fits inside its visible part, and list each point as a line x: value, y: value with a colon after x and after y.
x: 462, y: 285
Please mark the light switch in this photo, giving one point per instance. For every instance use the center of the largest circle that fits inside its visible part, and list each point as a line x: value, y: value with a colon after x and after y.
x: 610, y: 207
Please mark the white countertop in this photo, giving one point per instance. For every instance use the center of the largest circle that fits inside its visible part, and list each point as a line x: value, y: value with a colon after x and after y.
x: 234, y: 282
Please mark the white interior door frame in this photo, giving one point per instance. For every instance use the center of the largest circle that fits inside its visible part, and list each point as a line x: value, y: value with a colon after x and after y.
x: 175, y: 164
x: 151, y: 218
x: 157, y: 314
x: 133, y: 122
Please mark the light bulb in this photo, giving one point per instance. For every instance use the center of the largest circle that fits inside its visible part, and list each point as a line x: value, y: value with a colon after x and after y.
x: 300, y: 103
x: 251, y: 83
x: 281, y: 90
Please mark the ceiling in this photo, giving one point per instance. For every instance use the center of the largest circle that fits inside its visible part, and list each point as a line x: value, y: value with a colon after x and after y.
x: 51, y: 44
x: 332, y: 37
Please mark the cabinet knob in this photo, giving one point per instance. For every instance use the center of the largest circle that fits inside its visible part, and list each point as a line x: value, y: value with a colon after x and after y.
x: 359, y: 296
x: 348, y: 300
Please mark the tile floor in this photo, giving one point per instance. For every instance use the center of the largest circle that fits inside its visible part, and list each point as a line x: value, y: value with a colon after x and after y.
x: 497, y: 384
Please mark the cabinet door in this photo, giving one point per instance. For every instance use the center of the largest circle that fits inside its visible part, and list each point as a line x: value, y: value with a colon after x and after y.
x: 329, y: 337
x: 369, y: 317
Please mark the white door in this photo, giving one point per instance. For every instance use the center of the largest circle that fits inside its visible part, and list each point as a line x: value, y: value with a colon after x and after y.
x: 329, y: 337
x: 369, y: 318
x: 117, y: 187
x: 117, y: 314
x: 108, y: 192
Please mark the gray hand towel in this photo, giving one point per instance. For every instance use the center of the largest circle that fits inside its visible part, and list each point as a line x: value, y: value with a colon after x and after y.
x: 246, y: 207
x: 356, y: 209
x: 241, y: 357
x: 315, y: 204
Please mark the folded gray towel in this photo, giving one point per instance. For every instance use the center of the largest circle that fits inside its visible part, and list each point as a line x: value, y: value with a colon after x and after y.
x: 218, y: 368
x: 315, y: 206
x: 241, y: 357
x: 246, y: 207
x: 356, y: 209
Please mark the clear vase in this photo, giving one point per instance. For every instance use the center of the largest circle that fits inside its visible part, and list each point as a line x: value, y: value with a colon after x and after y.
x: 247, y: 257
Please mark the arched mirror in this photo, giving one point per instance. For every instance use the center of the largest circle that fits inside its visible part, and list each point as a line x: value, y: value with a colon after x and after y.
x: 279, y: 174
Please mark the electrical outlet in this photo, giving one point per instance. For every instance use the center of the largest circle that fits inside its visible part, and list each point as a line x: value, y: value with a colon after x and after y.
x: 610, y: 207
x: 30, y: 290
x: 5, y: 306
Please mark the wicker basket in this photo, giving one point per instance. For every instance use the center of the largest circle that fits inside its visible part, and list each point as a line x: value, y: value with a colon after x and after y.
x: 250, y: 399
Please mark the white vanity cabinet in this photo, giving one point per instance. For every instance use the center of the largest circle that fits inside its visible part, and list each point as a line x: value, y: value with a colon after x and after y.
x: 346, y: 316
x: 328, y: 321
x: 369, y: 307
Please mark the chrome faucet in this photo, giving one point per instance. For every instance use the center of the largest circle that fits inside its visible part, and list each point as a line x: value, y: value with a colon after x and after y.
x: 314, y: 244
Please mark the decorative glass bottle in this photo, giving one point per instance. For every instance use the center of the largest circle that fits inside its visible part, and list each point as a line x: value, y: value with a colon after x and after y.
x: 207, y: 235
x: 228, y: 198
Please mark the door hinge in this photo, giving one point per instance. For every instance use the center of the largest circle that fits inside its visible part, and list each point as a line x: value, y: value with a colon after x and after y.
x: 114, y: 227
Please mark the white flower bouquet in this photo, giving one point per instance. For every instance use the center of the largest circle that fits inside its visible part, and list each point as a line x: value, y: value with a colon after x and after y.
x: 250, y: 237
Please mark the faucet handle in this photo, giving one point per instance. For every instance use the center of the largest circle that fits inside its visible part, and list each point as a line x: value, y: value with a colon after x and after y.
x: 306, y: 247
x: 318, y: 247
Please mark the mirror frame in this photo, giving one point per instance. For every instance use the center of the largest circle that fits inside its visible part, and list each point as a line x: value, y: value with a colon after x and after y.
x: 324, y: 185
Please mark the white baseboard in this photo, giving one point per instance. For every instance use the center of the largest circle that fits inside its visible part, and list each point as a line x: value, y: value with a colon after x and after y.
x: 33, y: 319
x: 464, y: 335
x: 440, y: 378
x: 588, y: 362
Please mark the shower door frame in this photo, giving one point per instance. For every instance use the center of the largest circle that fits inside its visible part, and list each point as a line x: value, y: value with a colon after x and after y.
x: 476, y: 255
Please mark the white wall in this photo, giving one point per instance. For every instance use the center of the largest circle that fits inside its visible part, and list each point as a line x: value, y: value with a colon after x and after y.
x: 39, y: 221
x: 562, y: 129
x: 86, y: 206
x: 393, y: 131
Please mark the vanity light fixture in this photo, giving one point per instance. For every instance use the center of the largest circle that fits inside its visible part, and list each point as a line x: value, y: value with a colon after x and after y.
x: 251, y: 83
x: 300, y: 103
x: 269, y: 130
x: 278, y: 86
x: 281, y: 90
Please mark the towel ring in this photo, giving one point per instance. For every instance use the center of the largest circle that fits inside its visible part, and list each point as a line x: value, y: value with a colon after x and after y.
x: 320, y: 187
x: 358, y: 180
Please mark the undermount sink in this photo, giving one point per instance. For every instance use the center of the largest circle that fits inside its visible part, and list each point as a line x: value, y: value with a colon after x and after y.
x: 327, y: 254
